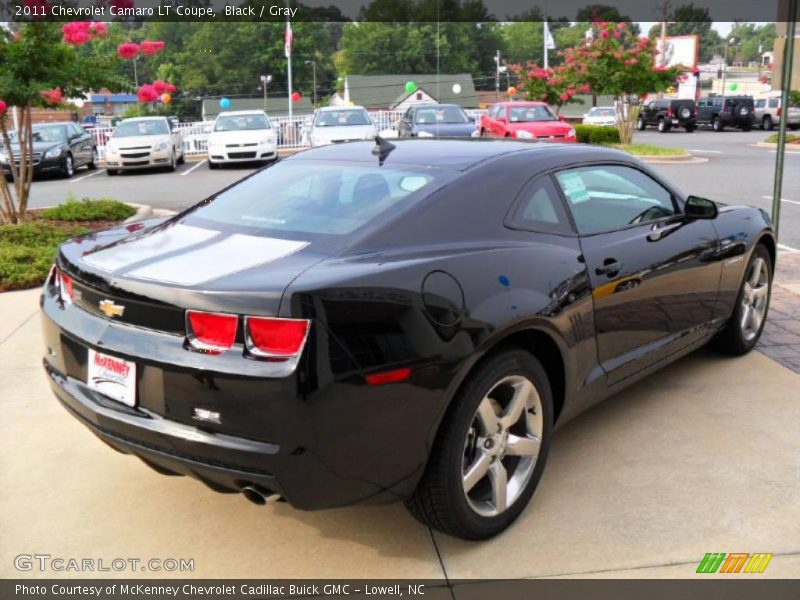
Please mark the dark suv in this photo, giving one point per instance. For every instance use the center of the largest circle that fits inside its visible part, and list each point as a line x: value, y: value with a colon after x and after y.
x: 668, y: 113
x: 725, y: 111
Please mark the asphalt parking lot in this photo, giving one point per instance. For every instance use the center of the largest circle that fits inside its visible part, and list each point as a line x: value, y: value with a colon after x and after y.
x: 736, y: 172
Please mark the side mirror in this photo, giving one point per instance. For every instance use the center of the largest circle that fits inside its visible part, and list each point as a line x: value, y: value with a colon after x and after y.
x: 700, y: 208
x: 561, y: 118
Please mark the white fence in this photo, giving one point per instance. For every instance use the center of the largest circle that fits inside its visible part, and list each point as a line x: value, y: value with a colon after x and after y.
x: 292, y: 133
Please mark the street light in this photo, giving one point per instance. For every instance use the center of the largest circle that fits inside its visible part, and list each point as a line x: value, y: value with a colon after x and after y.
x: 314, y: 69
x: 728, y: 42
x: 265, y: 79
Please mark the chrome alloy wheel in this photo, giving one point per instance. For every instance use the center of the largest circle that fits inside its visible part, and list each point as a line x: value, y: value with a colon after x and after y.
x: 502, y: 445
x: 754, y: 298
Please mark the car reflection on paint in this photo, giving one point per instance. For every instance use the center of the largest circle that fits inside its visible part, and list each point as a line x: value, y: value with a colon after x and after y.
x: 368, y: 322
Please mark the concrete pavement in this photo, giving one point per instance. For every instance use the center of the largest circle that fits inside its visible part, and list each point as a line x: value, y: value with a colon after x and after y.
x: 701, y: 457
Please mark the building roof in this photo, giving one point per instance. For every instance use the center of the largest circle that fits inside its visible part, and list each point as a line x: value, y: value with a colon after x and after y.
x: 387, y: 91
x: 276, y: 106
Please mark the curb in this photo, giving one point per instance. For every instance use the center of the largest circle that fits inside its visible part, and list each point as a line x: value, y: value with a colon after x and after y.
x: 145, y: 211
x: 688, y: 159
x: 786, y: 147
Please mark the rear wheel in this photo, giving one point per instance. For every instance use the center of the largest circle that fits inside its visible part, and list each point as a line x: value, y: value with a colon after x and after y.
x: 68, y: 168
x: 747, y: 127
x: 490, y: 451
x: 640, y: 124
x: 663, y: 126
x: 767, y: 123
x: 744, y: 329
x: 716, y: 124
x: 182, y: 158
x: 690, y: 128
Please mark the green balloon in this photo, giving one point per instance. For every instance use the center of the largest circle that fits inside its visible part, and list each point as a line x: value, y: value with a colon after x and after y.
x: 734, y: 87
x: 410, y: 87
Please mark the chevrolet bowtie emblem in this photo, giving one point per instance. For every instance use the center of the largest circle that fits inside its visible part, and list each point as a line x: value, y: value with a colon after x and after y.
x: 110, y: 309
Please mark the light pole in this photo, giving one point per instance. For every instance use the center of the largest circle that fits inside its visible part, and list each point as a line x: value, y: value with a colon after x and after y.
x: 314, y: 70
x: 265, y: 79
x: 728, y: 42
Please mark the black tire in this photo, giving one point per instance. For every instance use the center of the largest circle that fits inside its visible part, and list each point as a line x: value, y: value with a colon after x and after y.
x: 733, y: 339
x: 640, y: 124
x: 747, y: 127
x: 68, y: 167
x: 484, y: 133
x: 93, y: 161
x: 690, y: 128
x: 717, y: 125
x: 212, y: 165
x: 767, y: 123
x: 182, y: 159
x: 440, y: 501
x: 663, y: 126
x: 794, y: 127
x: 111, y: 172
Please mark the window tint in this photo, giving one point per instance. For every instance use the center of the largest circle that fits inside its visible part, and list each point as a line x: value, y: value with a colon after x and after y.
x: 540, y: 209
x: 774, y: 102
x: 609, y: 197
x: 760, y: 103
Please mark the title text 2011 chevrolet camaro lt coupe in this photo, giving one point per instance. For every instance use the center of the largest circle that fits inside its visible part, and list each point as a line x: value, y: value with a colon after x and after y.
x: 366, y: 321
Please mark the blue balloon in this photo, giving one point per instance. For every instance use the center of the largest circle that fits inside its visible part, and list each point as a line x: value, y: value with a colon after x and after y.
x: 225, y: 104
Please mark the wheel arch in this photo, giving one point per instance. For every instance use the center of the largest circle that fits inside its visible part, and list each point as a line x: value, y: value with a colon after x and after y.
x: 768, y: 241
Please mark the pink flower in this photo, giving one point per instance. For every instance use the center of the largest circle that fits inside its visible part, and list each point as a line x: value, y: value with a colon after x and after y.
x: 3, y: 107
x: 76, y: 33
x: 604, y: 34
x: 564, y: 97
x: 659, y: 68
x: 151, y: 47
x: 147, y: 93
x: 128, y: 50
x: 586, y: 88
x: 170, y: 88
x: 52, y: 97
x: 616, y: 33
x: 159, y: 86
x: 618, y: 55
x: 621, y: 25
x: 98, y: 30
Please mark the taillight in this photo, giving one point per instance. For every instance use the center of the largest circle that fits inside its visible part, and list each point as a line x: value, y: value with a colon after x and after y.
x: 778, y: 112
x: 275, y: 338
x: 669, y: 111
x: 395, y: 376
x: 65, y: 286
x: 210, y: 332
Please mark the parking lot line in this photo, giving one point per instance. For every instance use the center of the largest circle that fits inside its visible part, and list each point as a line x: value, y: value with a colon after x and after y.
x: 92, y: 174
x: 706, y: 151
x: 782, y: 200
x: 187, y: 171
x: 788, y: 248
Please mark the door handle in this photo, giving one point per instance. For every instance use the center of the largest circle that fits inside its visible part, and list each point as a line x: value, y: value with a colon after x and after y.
x: 611, y: 267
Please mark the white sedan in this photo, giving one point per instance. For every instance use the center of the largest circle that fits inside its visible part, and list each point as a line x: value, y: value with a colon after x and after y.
x: 605, y: 116
x: 241, y: 136
x: 333, y: 124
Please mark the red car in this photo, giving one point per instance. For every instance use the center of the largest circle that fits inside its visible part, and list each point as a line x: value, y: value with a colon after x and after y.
x: 525, y: 120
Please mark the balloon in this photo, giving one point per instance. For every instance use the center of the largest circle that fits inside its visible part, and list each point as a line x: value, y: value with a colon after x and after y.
x: 166, y: 98
x: 224, y: 104
x: 411, y: 87
x: 456, y: 88
x: 512, y: 91
x: 734, y: 87
x: 3, y: 107
x: 296, y: 96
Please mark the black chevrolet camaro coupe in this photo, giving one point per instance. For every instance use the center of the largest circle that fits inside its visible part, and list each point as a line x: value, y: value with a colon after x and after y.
x: 364, y: 322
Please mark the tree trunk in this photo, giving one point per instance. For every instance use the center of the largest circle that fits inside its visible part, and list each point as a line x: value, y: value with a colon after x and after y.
x: 14, y: 205
x: 627, y: 115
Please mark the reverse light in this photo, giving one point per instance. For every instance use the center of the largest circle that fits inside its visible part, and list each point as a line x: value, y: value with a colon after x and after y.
x: 394, y: 376
x: 275, y: 338
x: 210, y: 332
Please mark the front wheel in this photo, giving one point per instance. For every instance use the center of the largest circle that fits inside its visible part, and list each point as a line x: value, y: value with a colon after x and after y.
x: 640, y: 124
x: 68, y: 169
x: 767, y: 123
x: 172, y: 162
x: 717, y: 125
x: 663, y: 126
x: 491, y: 449
x: 744, y: 329
x: 182, y: 158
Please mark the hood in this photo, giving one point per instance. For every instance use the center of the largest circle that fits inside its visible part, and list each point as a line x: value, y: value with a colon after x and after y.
x: 327, y: 135
x: 137, y: 141
x: 542, y: 128
x: 446, y: 129
x: 189, y: 266
x: 250, y: 136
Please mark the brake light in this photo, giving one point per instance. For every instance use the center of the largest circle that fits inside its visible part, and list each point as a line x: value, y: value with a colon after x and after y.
x: 210, y: 332
x: 389, y: 376
x: 65, y: 287
x: 778, y: 112
x: 669, y: 111
x: 275, y: 338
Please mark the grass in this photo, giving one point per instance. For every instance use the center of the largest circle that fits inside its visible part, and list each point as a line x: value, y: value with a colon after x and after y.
x: 791, y: 138
x: 101, y: 209
x: 27, y: 250
x: 650, y: 150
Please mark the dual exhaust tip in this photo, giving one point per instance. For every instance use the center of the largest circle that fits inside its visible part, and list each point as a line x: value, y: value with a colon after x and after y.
x: 259, y: 496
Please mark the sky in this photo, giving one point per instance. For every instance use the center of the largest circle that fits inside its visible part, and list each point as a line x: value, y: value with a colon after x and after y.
x: 723, y: 28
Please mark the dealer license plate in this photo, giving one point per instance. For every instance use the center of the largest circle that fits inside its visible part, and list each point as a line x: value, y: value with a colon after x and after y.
x: 112, y: 376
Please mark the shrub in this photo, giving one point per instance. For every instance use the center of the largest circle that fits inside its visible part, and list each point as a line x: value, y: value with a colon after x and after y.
x: 595, y: 134
x: 102, y: 209
x: 790, y: 138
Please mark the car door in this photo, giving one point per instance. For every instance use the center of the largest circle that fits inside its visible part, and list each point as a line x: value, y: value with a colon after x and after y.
x: 77, y: 145
x: 654, y: 274
x: 703, y: 111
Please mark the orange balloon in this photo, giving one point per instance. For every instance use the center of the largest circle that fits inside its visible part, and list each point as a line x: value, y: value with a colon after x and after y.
x: 512, y: 91
x: 166, y: 98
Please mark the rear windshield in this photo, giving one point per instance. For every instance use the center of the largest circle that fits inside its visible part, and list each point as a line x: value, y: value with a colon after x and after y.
x: 134, y: 128
x: 241, y: 122
x: 342, y: 118
x: 517, y: 114
x: 733, y: 102
x: 602, y: 112
x: 440, y: 114
x: 318, y: 198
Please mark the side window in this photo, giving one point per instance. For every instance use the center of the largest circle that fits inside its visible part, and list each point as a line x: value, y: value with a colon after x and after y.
x: 611, y: 197
x: 541, y: 209
x: 774, y: 102
x: 760, y: 103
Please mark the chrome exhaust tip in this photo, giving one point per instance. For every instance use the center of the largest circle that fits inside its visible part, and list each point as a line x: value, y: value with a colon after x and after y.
x: 257, y: 496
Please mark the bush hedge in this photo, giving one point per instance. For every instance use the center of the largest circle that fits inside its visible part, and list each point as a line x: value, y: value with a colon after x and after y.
x: 596, y: 134
x: 102, y: 209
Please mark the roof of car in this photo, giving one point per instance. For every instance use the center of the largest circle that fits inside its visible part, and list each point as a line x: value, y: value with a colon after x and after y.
x: 156, y: 118
x: 433, y: 105
x: 522, y: 103
x: 458, y: 154
x: 54, y: 123
x: 337, y: 108
x: 227, y: 113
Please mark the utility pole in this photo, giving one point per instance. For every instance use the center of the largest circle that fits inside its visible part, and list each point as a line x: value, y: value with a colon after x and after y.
x: 665, y: 8
x: 497, y: 77
x: 314, y: 70
x: 265, y: 81
x: 728, y: 42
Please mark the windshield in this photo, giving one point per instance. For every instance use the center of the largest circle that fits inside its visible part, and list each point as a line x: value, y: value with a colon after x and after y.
x: 314, y: 198
x: 519, y: 114
x: 134, y: 128
x: 342, y: 118
x: 601, y: 112
x: 52, y: 133
x: 241, y: 122
x: 440, y: 115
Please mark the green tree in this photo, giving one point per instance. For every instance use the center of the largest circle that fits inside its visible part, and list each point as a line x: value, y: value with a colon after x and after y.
x: 39, y: 69
x: 749, y: 38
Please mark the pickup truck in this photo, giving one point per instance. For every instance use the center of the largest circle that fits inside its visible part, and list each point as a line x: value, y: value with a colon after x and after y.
x: 142, y: 143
